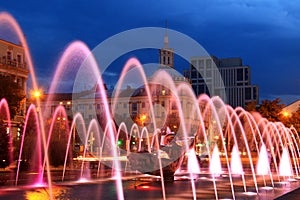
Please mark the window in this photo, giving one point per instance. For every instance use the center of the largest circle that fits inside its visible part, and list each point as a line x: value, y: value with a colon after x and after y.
x: 208, y: 73
x: 194, y: 73
x: 9, y: 55
x: 208, y: 64
x: 143, y: 104
x: 134, y: 108
x: 201, y: 64
x: 239, y: 74
x: 194, y: 63
x: 248, y: 93
x: 19, y: 58
x: 247, y: 74
x: 19, y: 81
x: 254, y: 93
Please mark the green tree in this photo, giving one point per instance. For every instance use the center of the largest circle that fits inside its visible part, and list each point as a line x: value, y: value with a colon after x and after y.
x: 13, y: 93
x: 271, y: 110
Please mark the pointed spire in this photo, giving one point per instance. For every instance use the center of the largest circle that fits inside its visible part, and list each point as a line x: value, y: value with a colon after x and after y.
x: 166, y: 41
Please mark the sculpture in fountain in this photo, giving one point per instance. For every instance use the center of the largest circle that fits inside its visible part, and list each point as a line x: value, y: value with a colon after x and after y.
x: 167, y: 151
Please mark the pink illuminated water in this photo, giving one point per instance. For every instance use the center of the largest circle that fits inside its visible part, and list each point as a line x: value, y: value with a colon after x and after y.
x: 7, y: 18
x: 77, y: 123
x: 133, y: 63
x: 5, y: 116
x: 215, y: 163
x: 263, y: 163
x: 217, y: 123
x: 236, y: 163
x: 193, y: 165
x: 285, y: 167
x: 37, y: 155
x: 161, y: 77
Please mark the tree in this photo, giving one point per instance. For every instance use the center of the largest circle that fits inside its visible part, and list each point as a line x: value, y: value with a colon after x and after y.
x: 294, y: 120
x: 30, y: 151
x: 271, y: 110
x: 58, y: 142
x: 251, y: 106
x: 4, y: 146
x: 13, y: 93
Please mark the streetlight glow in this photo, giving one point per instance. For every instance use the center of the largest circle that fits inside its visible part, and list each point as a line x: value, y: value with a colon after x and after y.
x: 143, y: 117
x: 37, y: 94
x: 285, y: 113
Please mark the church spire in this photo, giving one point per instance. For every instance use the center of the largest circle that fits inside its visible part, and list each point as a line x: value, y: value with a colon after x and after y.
x: 166, y: 54
x: 166, y: 40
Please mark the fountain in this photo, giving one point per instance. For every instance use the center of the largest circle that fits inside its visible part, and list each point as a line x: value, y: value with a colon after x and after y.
x: 104, y: 156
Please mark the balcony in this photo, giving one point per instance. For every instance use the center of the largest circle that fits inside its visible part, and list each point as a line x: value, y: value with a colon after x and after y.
x: 12, y: 63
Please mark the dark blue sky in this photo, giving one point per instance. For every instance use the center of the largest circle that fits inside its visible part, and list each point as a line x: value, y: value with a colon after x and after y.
x: 265, y: 34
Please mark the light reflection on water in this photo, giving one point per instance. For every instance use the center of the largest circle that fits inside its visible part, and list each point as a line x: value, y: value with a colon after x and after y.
x: 136, y: 189
x: 43, y: 193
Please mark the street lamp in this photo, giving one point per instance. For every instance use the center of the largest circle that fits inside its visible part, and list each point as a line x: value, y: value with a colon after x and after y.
x: 286, y: 113
x: 36, y: 94
x: 143, y: 119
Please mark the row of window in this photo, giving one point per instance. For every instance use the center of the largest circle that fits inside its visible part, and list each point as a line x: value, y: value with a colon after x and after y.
x: 9, y: 56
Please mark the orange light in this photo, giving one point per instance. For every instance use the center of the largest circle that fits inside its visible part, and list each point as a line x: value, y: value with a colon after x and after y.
x: 36, y: 93
x: 285, y: 113
x: 143, y: 117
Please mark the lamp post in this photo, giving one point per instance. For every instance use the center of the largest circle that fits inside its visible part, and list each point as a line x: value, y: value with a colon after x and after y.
x: 36, y: 95
x: 143, y: 119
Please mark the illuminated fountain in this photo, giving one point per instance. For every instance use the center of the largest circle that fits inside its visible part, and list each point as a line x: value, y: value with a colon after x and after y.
x: 245, y: 153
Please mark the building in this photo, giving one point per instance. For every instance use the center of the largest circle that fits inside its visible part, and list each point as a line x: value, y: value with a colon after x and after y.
x: 166, y: 54
x: 288, y: 110
x: 13, y: 66
x: 236, y: 81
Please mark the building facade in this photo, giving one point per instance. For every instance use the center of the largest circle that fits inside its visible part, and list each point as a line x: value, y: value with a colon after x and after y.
x: 236, y: 80
x: 13, y: 65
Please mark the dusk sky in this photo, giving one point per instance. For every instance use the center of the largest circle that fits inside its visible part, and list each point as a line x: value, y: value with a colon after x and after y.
x: 265, y: 34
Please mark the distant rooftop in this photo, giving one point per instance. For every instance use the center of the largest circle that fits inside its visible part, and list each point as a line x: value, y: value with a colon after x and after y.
x: 11, y: 43
x: 293, y: 107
